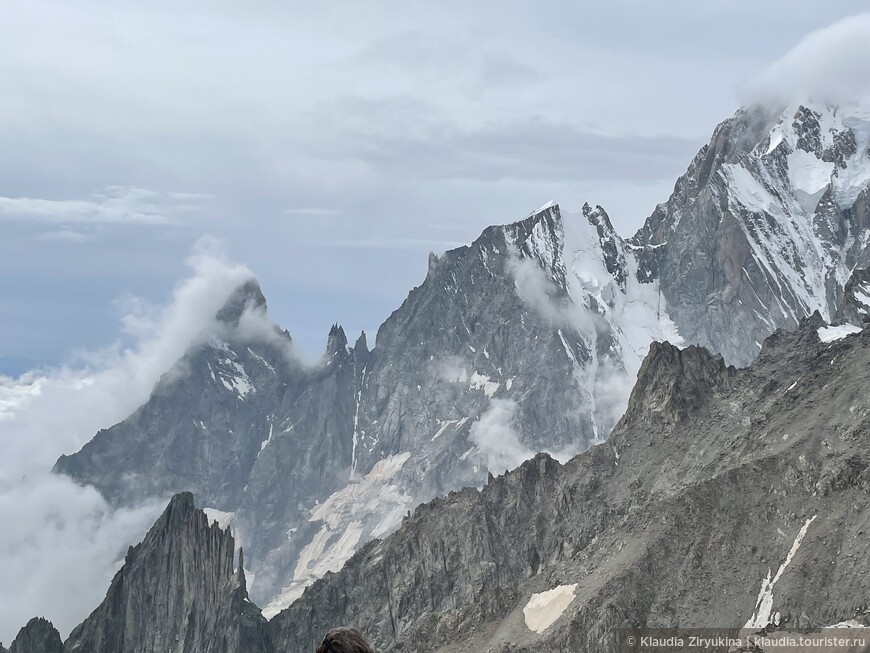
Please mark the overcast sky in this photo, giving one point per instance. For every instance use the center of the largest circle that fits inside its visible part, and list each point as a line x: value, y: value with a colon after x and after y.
x: 333, y: 145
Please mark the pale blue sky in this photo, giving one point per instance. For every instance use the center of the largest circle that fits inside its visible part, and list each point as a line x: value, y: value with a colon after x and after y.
x: 332, y: 147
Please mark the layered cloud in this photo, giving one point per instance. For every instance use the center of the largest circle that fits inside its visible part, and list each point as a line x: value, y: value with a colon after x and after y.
x: 113, y: 205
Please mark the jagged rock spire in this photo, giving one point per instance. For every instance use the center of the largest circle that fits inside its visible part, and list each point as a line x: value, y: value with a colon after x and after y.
x: 176, y: 589
x: 240, y: 572
x: 361, y: 346
x: 337, y: 340
x: 673, y: 382
x: 38, y: 636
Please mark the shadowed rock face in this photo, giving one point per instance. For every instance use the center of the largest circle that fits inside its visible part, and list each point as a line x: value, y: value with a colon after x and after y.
x: 177, y: 591
x: 701, y: 491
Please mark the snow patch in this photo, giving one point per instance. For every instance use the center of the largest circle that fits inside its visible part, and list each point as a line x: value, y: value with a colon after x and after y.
x: 543, y: 609
x: 763, y: 615
x: 544, y: 207
x: 482, y: 382
x: 268, y: 439
x: 444, y: 424
x: 862, y: 297
x: 810, y: 178
x: 372, y: 507
x: 775, y: 139
x: 234, y: 378
x: 832, y: 333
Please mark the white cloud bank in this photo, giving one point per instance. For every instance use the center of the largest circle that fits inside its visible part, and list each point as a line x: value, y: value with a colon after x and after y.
x: 828, y: 66
x: 61, y: 542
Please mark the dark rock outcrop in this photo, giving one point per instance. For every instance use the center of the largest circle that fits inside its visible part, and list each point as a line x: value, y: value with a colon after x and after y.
x: 177, y: 591
x: 672, y: 382
x: 38, y: 636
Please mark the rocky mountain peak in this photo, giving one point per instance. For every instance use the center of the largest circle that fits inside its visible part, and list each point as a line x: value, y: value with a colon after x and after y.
x: 38, y: 636
x: 245, y: 297
x: 336, y: 342
x: 614, y: 259
x: 786, y: 344
x: 176, y: 591
x: 673, y: 382
x: 807, y: 129
x: 361, y: 346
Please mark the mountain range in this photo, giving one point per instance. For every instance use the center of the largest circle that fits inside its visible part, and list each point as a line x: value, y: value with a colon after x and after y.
x: 530, y: 340
x: 725, y: 497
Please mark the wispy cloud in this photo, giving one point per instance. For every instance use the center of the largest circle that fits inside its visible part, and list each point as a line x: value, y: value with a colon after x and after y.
x: 385, y: 243
x: 66, y: 236
x: 432, y: 148
x: 126, y: 205
x: 315, y: 211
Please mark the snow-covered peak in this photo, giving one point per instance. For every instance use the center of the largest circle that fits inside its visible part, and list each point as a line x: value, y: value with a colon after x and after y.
x: 817, y: 149
x: 792, y: 193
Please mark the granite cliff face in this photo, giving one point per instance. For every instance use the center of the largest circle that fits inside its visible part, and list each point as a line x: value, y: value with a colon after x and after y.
x: 527, y: 340
x: 714, y: 479
x: 765, y: 227
x: 38, y: 636
x: 177, y: 591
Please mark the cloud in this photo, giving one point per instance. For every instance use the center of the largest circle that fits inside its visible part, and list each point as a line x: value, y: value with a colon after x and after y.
x: 828, y: 66
x: 66, y: 236
x: 386, y: 243
x: 61, y: 547
x: 529, y: 149
x: 496, y: 438
x: 314, y: 211
x: 113, y: 205
x: 62, y: 542
x: 539, y: 292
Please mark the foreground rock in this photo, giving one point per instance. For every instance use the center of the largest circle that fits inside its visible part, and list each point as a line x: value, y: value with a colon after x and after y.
x: 177, y: 591
x: 38, y: 636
